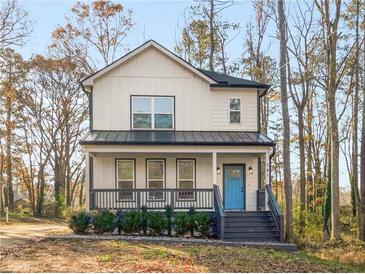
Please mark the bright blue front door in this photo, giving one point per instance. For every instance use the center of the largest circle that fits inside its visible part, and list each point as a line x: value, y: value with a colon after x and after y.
x: 234, y: 187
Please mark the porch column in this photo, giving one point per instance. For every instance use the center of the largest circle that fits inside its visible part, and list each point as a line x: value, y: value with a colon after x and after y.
x: 214, y: 167
x: 267, y: 170
x: 87, y: 180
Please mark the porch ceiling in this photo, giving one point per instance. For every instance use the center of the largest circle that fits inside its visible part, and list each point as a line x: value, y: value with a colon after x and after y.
x: 201, y: 138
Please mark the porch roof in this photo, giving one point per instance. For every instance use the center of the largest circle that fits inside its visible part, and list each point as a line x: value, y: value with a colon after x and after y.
x: 229, y: 138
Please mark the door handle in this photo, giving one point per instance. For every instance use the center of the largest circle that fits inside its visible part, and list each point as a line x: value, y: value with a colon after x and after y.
x: 242, y: 189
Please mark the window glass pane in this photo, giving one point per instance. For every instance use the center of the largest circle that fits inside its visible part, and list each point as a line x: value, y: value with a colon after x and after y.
x: 186, y: 169
x: 156, y: 184
x: 125, y: 195
x: 155, y: 169
x: 163, y: 105
x: 156, y: 195
x: 235, y: 117
x: 141, y: 104
x: 163, y: 121
x: 125, y: 170
x: 186, y: 184
x: 234, y: 104
x: 233, y: 173
x: 125, y: 185
x: 142, y: 121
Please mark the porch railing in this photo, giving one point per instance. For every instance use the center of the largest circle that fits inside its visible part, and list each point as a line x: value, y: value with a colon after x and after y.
x: 275, y: 211
x: 157, y: 199
x: 219, y: 212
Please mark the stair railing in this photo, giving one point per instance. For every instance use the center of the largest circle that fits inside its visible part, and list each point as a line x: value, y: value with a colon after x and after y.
x: 219, y: 211
x: 275, y: 211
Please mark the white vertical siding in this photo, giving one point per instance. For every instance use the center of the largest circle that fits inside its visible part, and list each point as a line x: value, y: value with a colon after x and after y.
x: 152, y: 73
x: 104, y: 172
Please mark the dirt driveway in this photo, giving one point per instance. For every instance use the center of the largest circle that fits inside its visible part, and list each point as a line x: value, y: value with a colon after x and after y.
x: 16, y: 236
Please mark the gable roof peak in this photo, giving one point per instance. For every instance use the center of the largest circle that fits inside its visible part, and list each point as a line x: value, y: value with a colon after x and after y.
x: 89, y: 81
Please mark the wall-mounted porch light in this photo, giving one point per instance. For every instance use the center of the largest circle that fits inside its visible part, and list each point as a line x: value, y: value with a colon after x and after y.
x: 250, y: 170
x: 218, y: 170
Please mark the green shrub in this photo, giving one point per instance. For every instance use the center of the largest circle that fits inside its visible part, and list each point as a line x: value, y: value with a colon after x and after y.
x: 201, y: 223
x: 156, y: 222
x: 131, y: 222
x: 144, y: 219
x: 80, y: 222
x: 169, y: 212
x: 119, y: 220
x: 104, y: 221
x: 181, y: 224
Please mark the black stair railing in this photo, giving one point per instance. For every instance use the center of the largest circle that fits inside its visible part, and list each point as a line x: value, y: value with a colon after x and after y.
x: 219, y: 211
x: 275, y: 211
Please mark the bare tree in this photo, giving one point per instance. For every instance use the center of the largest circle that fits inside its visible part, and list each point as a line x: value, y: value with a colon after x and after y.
x: 282, y: 30
x: 15, y: 24
x: 330, y: 21
x: 94, y: 34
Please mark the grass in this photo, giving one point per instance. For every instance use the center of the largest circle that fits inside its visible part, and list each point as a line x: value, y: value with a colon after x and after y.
x: 120, y: 256
x: 16, y: 218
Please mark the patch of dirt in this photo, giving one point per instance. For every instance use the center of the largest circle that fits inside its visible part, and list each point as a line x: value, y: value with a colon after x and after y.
x: 119, y: 256
x: 15, y: 237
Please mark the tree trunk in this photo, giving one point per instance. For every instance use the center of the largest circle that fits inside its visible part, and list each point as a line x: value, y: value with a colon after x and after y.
x: 362, y: 165
x: 302, y: 171
x: 9, y: 161
x: 286, y: 124
x: 211, y: 35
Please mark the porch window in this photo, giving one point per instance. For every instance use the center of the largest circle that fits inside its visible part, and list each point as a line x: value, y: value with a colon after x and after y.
x: 235, y: 111
x: 156, y: 178
x: 152, y: 112
x: 125, y: 178
x: 186, y: 178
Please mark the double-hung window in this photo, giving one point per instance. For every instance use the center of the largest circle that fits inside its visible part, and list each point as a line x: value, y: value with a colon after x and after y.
x: 125, y: 178
x: 155, y: 177
x: 186, y: 178
x: 153, y: 112
x: 235, y: 111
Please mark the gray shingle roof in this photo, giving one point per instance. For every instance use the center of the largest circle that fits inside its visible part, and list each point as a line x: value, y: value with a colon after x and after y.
x: 177, y: 138
x: 229, y: 81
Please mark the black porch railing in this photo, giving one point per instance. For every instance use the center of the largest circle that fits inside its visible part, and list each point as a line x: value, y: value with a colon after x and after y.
x: 276, y: 212
x: 157, y: 199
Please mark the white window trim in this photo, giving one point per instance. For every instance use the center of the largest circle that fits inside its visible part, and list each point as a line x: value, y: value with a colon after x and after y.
x: 133, y: 180
x: 153, y: 113
x: 186, y: 180
x: 229, y: 111
x: 163, y: 172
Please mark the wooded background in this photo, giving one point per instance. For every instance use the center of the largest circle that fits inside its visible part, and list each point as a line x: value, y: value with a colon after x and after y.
x: 314, y: 110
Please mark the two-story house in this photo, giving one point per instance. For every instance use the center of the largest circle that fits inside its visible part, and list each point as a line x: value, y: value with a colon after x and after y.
x: 163, y: 132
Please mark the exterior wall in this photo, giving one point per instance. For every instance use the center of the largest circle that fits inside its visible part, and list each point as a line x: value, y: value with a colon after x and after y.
x: 104, y: 171
x: 153, y: 73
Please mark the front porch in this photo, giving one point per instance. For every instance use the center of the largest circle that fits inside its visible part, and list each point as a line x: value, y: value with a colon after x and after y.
x: 228, y: 180
x: 180, y: 180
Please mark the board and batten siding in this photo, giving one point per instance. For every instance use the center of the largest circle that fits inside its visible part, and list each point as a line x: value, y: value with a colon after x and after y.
x: 104, y: 172
x: 197, y: 106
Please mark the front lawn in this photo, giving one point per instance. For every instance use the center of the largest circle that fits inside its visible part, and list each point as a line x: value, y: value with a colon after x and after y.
x: 120, y: 256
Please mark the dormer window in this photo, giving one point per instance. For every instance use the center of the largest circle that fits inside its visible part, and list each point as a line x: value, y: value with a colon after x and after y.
x: 153, y: 112
x: 235, y: 111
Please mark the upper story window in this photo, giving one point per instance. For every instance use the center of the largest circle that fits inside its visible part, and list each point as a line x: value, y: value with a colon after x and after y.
x: 235, y: 111
x: 152, y: 112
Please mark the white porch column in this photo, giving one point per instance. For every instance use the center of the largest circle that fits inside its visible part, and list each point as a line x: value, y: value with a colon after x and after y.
x: 214, y: 167
x: 87, y: 181
x: 267, y: 170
